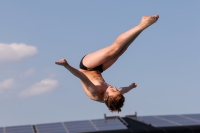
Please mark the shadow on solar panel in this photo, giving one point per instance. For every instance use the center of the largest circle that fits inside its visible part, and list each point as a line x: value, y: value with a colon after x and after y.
x: 170, y: 120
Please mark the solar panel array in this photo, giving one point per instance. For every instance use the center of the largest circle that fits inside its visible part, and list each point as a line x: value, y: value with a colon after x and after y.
x: 170, y: 120
x: 81, y: 126
x: 19, y: 129
x: 100, y: 125
x: 69, y: 127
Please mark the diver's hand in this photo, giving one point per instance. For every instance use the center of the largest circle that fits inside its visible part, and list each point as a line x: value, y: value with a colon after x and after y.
x: 62, y: 62
x: 133, y: 85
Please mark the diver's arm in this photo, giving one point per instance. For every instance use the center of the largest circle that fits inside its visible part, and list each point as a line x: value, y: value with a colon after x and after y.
x: 89, y: 85
x: 124, y: 90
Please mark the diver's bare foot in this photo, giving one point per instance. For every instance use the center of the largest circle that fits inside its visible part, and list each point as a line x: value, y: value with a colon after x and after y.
x: 148, y: 20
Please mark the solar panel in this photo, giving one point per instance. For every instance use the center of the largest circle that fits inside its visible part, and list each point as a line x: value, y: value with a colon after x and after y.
x: 80, y: 126
x: 155, y: 121
x: 1, y: 130
x: 195, y: 117
x: 51, y: 128
x: 183, y: 121
x: 94, y: 125
x: 170, y: 120
x: 19, y: 129
x: 111, y: 124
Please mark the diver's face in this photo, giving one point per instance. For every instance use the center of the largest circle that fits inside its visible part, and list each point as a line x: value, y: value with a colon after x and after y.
x: 112, y: 90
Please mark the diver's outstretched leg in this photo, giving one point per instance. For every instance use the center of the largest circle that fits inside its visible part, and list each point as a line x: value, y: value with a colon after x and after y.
x: 111, y: 53
x: 110, y: 62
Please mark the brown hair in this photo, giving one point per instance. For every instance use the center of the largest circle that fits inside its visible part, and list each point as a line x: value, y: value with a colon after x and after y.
x: 114, y: 103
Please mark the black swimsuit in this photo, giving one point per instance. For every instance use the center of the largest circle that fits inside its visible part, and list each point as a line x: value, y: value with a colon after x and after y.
x: 99, y: 68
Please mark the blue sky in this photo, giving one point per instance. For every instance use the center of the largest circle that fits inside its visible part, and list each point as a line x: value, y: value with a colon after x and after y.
x: 163, y: 60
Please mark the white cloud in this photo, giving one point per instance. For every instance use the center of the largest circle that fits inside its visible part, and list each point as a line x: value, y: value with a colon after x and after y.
x: 15, y: 52
x: 7, y: 84
x: 41, y: 87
